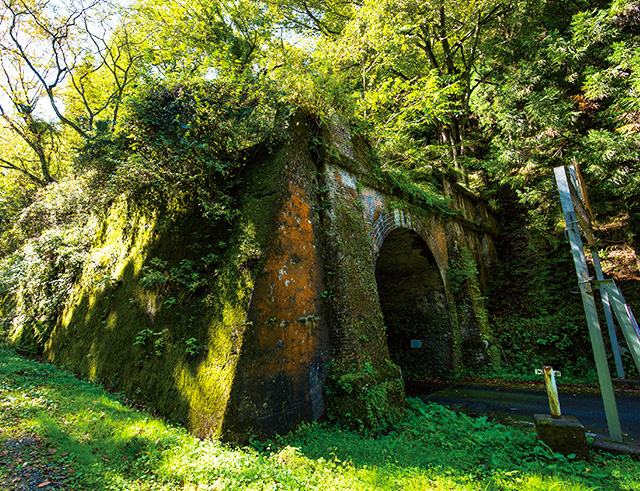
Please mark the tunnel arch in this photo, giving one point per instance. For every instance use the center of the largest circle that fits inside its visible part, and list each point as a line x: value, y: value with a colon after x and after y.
x: 390, y: 220
x: 414, y: 305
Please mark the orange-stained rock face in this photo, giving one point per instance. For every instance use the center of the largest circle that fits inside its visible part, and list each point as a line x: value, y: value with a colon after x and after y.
x: 286, y: 305
x: 281, y: 376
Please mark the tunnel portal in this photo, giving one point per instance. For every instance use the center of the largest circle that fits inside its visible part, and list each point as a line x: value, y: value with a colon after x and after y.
x: 414, y: 306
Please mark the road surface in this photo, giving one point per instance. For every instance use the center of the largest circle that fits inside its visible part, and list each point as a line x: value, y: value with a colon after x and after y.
x: 523, y: 404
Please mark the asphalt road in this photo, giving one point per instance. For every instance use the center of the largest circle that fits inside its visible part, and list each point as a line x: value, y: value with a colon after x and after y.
x: 522, y: 404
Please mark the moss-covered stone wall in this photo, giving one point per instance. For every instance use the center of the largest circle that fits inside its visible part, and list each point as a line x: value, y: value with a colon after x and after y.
x: 245, y: 355
x: 279, y: 317
x: 366, y: 387
x: 176, y: 355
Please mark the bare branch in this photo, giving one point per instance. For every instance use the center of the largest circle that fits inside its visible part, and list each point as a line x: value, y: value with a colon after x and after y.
x: 5, y: 164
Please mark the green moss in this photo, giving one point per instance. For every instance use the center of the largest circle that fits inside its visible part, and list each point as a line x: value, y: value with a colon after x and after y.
x: 423, y: 195
x: 369, y: 399
x: 7, y: 309
x: 470, y: 303
x: 456, y: 336
x: 365, y: 389
x: 131, y: 333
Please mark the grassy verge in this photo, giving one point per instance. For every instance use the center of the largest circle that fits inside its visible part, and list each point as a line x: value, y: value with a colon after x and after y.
x: 58, y: 432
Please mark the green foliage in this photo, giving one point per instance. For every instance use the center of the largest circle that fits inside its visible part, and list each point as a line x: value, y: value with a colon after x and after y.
x: 45, y: 251
x: 326, y: 294
x: 464, y: 279
x: 153, y: 279
x: 193, y: 348
x: 539, y: 321
x: 94, y: 440
x: 413, y: 186
x: 367, y: 398
x: 217, y: 39
x: 406, y: 70
x: 187, y: 275
x: 568, y: 94
x: 530, y: 343
x: 463, y: 270
x: 152, y: 342
x: 184, y: 144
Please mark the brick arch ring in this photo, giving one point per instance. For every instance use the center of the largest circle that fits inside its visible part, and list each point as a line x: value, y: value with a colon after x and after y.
x: 388, y: 222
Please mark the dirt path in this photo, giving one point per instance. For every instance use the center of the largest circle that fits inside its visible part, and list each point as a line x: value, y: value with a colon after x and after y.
x: 27, y: 464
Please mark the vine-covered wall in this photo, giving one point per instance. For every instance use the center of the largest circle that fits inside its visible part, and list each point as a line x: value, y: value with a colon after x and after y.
x: 276, y: 318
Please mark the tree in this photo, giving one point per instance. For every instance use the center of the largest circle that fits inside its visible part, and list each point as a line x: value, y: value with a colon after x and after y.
x: 67, y: 49
x: 31, y: 142
x: 203, y: 39
x: 315, y: 17
x: 76, y: 57
x: 565, y: 93
x: 412, y: 67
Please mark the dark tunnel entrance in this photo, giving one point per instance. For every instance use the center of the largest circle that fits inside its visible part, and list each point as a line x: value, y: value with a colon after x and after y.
x: 414, y: 307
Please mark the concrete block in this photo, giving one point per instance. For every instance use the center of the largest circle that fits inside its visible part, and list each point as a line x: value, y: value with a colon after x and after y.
x: 564, y: 435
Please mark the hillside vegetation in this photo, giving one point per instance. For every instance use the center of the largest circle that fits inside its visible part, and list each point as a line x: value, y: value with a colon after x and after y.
x: 137, y: 146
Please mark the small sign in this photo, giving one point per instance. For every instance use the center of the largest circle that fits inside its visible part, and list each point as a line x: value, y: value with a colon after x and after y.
x: 540, y: 371
x: 416, y: 343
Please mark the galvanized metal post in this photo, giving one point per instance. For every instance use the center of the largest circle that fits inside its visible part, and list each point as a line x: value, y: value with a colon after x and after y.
x: 625, y: 318
x: 604, y: 296
x: 589, y: 304
x: 552, y: 391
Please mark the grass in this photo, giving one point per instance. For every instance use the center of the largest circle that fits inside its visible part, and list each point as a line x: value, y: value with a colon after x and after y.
x: 63, y: 433
x: 507, y: 375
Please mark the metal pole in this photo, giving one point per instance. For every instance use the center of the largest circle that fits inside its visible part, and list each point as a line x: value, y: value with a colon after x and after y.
x: 552, y: 391
x: 608, y: 316
x: 625, y: 319
x: 589, y: 304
